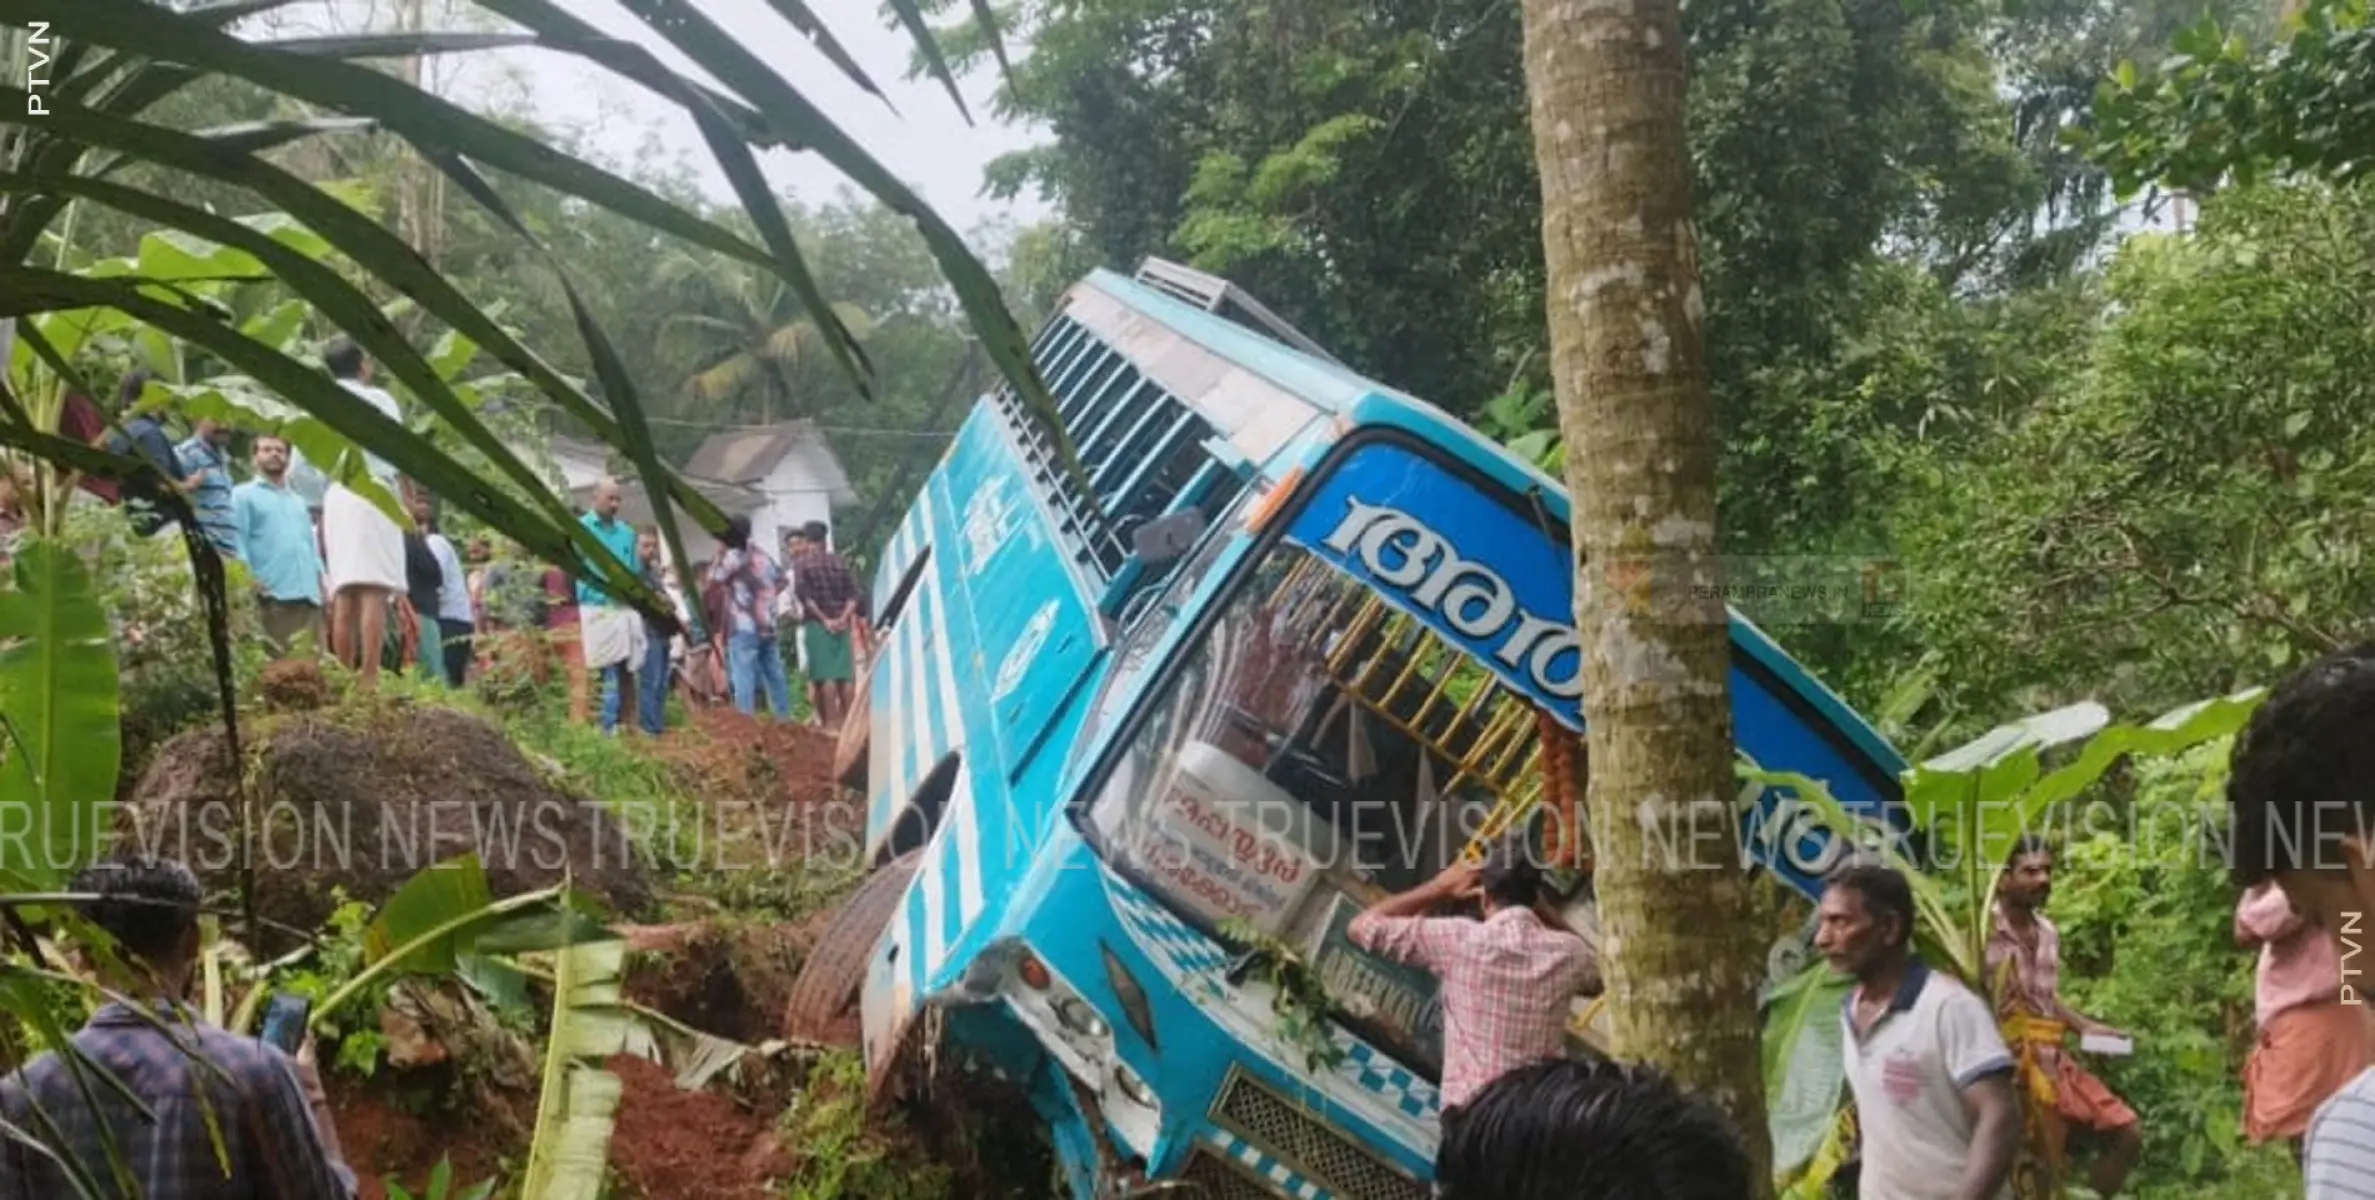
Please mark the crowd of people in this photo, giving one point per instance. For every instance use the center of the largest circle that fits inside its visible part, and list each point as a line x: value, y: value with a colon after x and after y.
x: 1953, y: 1091
x: 330, y: 567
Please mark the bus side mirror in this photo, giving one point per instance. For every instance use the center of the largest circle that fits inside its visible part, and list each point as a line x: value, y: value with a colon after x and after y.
x: 1167, y: 537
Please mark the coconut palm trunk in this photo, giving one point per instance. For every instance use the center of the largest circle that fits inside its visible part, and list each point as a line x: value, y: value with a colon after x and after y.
x: 1683, y: 960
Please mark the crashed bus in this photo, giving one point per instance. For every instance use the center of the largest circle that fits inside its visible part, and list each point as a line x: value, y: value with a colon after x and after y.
x: 1136, y: 734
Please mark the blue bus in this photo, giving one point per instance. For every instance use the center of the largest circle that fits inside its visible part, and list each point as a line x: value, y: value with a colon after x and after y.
x: 1287, y: 641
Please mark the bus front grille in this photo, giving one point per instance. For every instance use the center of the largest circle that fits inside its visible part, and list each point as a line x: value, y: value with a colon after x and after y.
x: 1215, y: 1178
x: 1297, y: 1137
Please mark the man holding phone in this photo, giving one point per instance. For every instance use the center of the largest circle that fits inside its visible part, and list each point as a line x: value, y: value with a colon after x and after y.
x: 277, y: 1142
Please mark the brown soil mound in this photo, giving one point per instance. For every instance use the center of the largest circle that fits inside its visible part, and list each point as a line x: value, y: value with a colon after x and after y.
x: 383, y: 1138
x: 293, y: 685
x: 671, y: 1142
x: 737, y: 756
x: 363, y: 805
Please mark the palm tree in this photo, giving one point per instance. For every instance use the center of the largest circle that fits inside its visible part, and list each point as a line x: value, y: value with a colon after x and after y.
x: 759, y: 346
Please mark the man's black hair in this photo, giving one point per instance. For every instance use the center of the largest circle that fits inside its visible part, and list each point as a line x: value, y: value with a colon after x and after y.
x: 148, y: 905
x: 1569, y: 1129
x: 736, y: 534
x: 2303, y: 771
x: 343, y: 358
x: 2026, y: 845
x: 816, y: 531
x: 1509, y: 874
x: 1883, y: 890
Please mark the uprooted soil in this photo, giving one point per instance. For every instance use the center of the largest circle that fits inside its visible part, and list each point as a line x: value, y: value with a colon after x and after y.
x: 672, y: 1142
x: 728, y: 979
x: 362, y: 801
x: 732, y: 756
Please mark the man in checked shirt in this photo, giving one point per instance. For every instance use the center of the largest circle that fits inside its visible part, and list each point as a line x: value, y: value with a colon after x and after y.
x: 1507, y: 979
x: 277, y: 1142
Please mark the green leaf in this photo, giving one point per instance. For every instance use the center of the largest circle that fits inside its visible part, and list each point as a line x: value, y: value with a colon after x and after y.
x: 431, y: 899
x: 58, y: 717
x: 791, y: 115
x: 24, y: 290
x: 358, y: 237
x: 1803, y: 1070
x: 460, y: 926
x: 804, y: 20
x: 919, y: 29
x: 568, y: 1158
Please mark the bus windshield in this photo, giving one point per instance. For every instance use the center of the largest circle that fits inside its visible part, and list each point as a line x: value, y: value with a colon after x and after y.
x: 1370, y: 696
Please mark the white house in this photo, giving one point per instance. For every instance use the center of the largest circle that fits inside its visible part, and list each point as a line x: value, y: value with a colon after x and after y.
x: 582, y: 463
x: 788, y: 466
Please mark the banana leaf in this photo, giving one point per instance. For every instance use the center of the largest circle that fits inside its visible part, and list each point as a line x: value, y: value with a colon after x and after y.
x: 578, y: 1103
x: 1804, y: 1068
x: 60, y: 742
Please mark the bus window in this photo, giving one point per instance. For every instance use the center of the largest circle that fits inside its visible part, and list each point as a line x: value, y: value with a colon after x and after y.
x: 1318, y: 748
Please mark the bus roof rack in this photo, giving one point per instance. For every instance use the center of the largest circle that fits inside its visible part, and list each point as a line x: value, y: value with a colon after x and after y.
x: 1218, y: 296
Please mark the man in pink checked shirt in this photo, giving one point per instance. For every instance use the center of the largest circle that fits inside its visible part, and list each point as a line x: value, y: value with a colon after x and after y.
x: 1507, y: 979
x: 2310, y: 1042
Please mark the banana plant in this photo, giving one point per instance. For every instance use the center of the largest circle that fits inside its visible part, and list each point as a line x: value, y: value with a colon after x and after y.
x: 578, y: 1101
x: 1969, y: 805
x: 60, y: 739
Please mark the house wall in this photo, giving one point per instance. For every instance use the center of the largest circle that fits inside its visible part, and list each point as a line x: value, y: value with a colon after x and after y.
x: 795, y: 496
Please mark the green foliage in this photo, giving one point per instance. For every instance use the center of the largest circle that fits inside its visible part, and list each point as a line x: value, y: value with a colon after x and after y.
x: 2220, y: 110
x: 2148, y: 945
x: 843, y: 1155
x: 442, y: 1186
x: 338, y: 957
x: 59, y: 741
x: 2164, y: 520
x: 1298, y: 998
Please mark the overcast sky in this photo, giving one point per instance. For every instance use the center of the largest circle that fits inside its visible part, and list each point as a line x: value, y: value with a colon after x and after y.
x: 925, y: 142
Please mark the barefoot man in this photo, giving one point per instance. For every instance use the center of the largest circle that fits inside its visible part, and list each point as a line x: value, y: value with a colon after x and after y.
x: 2025, y: 952
x: 364, y: 546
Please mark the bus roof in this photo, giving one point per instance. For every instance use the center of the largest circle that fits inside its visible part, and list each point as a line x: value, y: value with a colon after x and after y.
x: 1336, y: 390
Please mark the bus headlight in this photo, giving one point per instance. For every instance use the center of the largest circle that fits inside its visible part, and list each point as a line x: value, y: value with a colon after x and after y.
x: 1134, y: 1088
x: 1078, y: 1017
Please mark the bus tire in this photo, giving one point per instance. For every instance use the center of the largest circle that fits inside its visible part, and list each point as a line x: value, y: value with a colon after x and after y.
x: 850, y: 746
x: 827, y: 986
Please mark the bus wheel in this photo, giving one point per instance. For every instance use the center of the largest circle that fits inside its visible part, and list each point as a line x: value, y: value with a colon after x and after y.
x: 857, y: 726
x: 827, y: 986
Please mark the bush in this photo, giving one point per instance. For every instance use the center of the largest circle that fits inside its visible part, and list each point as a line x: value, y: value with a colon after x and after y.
x: 149, y: 591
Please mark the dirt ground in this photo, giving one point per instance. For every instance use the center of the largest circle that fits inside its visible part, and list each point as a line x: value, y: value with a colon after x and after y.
x: 725, y: 970
x: 364, y: 800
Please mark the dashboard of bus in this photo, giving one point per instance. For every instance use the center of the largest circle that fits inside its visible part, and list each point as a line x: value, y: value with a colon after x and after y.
x: 1362, y: 699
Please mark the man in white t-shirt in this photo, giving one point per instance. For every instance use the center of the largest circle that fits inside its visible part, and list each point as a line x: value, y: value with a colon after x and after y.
x: 1931, y: 1075
x: 2301, y: 788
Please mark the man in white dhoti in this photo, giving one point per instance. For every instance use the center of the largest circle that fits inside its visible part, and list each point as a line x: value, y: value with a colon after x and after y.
x: 613, y: 633
x: 363, y: 546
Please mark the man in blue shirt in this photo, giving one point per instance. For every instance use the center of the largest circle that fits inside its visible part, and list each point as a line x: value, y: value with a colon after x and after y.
x: 613, y: 635
x: 207, y: 474
x: 276, y: 537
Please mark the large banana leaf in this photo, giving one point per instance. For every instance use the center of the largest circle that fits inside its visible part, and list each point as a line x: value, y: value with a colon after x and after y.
x: 442, y: 917
x: 60, y: 741
x: 579, y: 1102
x: 1804, y: 1068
